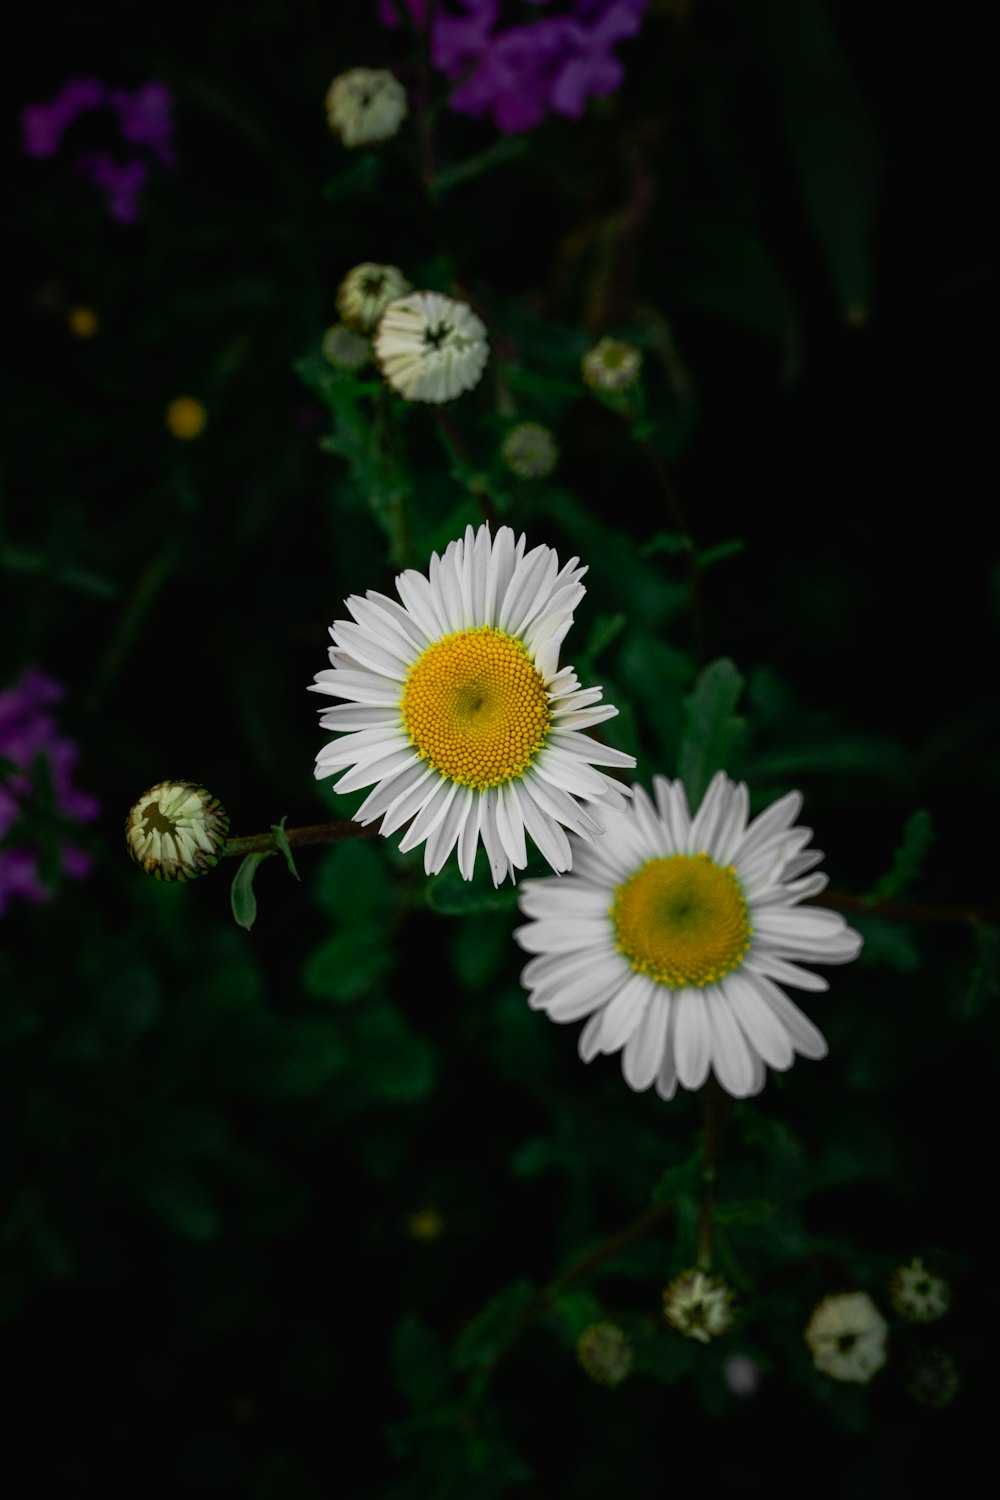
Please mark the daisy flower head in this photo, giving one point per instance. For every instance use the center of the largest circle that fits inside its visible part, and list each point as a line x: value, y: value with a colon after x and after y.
x: 431, y: 347
x: 917, y: 1294
x: 611, y: 366
x: 365, y: 105
x: 529, y: 450
x: 699, y: 1306
x: 458, y: 715
x: 366, y: 291
x: 674, y: 932
x: 176, y: 830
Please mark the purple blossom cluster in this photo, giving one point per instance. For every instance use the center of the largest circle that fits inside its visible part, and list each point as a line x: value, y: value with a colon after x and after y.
x: 519, y: 73
x: 145, y: 126
x: 28, y: 733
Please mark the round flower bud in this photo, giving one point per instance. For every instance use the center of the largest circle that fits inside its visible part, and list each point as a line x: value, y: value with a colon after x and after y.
x: 917, y: 1294
x: 529, y: 450
x: 365, y: 105
x: 186, y: 418
x: 933, y: 1379
x: 345, y: 349
x: 698, y: 1305
x: 605, y: 1352
x: 846, y: 1336
x: 176, y: 830
x: 366, y: 291
x: 430, y: 347
x: 611, y: 366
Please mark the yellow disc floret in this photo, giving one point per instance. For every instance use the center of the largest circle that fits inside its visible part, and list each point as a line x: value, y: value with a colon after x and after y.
x: 475, y: 706
x: 682, y: 920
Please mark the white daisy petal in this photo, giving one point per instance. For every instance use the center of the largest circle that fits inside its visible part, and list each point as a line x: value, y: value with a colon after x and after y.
x: 657, y: 929
x: 549, y: 838
x: 642, y: 1057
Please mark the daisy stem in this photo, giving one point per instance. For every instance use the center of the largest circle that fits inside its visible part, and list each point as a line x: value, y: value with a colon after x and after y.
x: 676, y: 513
x: 313, y: 833
x: 717, y: 1108
x: 455, y: 448
x: 901, y: 911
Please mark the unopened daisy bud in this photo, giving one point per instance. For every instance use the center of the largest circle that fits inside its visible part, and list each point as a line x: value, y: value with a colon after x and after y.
x: 605, y: 1352
x: 846, y: 1336
x: 82, y: 322
x: 698, y: 1305
x: 917, y: 1294
x: 186, y: 418
x: 430, y: 347
x: 933, y: 1379
x: 365, y: 105
x: 176, y: 830
x: 345, y: 349
x: 529, y: 450
x: 366, y: 291
x: 611, y: 366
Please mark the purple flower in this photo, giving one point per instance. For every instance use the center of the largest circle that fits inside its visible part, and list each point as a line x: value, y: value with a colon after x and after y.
x: 519, y: 73
x: 145, y: 125
x: 27, y: 735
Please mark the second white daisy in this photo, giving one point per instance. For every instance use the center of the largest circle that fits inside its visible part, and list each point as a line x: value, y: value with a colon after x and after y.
x: 673, y: 933
x: 458, y: 714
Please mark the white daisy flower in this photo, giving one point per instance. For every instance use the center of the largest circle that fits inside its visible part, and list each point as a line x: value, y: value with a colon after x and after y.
x: 698, y: 1305
x: 847, y: 1337
x: 917, y: 1294
x: 365, y: 105
x: 673, y: 933
x: 431, y: 347
x: 458, y: 715
x: 366, y: 291
x: 611, y: 366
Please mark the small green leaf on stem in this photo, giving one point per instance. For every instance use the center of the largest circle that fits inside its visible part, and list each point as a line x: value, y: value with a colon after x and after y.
x: 281, y: 839
x: 713, y: 732
x: 719, y: 553
x: 241, y: 896
x: 486, y: 1337
x: 918, y: 835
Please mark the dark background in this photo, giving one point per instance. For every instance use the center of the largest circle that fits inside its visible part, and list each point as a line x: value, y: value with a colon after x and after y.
x: 235, y: 1337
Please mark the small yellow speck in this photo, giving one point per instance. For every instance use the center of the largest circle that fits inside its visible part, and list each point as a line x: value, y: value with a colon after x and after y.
x: 82, y: 322
x: 856, y: 315
x: 426, y: 1225
x: 186, y: 417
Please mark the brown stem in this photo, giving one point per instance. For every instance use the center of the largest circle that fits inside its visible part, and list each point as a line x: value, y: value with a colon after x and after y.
x: 901, y: 911
x: 314, y: 833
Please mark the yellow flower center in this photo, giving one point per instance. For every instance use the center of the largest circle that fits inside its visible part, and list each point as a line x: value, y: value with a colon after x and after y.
x: 682, y: 920
x: 476, y: 708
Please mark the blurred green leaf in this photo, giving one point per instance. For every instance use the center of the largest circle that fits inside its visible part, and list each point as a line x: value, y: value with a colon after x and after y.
x: 478, y: 946
x: 686, y: 1177
x: 576, y: 1311
x: 507, y: 149
x: 886, y: 942
x: 719, y: 553
x: 491, y: 1330
x: 348, y: 965
x: 182, y: 1201
x: 241, y: 896
x: 918, y: 835
x: 396, y: 1063
x: 713, y: 733
x: 420, y: 1364
x: 671, y: 542
x: 354, y: 886
x: 455, y: 897
x: 984, y: 984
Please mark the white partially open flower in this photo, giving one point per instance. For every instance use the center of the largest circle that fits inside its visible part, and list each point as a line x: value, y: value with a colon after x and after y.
x: 698, y: 1305
x: 672, y: 931
x: 917, y: 1294
x: 611, y: 366
x: 366, y: 291
x: 458, y: 715
x: 431, y: 347
x: 847, y: 1336
x: 365, y: 105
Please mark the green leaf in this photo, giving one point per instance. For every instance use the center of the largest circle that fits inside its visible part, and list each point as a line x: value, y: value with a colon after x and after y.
x: 665, y: 1356
x: 713, y: 733
x: 719, y: 553
x: 396, y: 1063
x: 478, y: 947
x: 183, y: 1203
x: 348, y: 964
x: 485, y: 1338
x: 744, y: 1211
x: 241, y: 896
x: 509, y: 149
x: 281, y: 838
x: 420, y: 1365
x: 455, y: 897
x: 606, y: 628
x: 682, y: 1179
x: 918, y: 835
x: 671, y: 542
x: 577, y: 1311
x: 353, y: 885
x: 984, y: 984
x: 886, y: 942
